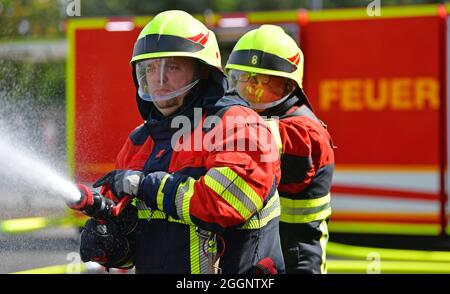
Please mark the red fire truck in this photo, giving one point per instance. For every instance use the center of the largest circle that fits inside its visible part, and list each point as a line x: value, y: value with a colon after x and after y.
x: 379, y: 83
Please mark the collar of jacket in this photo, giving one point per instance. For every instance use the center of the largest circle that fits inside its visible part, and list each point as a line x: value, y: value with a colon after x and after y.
x: 280, y: 109
x: 298, y: 98
x: 160, y: 127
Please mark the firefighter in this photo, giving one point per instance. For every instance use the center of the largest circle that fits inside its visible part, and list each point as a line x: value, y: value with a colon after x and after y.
x: 201, y: 209
x: 266, y: 69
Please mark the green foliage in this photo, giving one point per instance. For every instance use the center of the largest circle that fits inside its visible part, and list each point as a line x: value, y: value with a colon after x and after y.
x: 137, y: 7
x: 25, y: 18
x: 29, y: 18
x: 43, y: 83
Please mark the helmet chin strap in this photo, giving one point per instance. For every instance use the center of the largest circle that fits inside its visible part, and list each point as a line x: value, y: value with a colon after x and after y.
x: 174, y: 93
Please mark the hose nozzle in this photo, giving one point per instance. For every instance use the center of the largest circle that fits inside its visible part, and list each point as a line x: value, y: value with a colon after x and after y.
x: 86, y: 199
x: 94, y: 204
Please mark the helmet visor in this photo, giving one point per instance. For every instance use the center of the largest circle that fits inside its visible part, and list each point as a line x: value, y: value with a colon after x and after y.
x: 165, y: 78
x: 260, y: 90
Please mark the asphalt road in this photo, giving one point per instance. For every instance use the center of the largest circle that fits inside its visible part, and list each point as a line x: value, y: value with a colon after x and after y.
x: 46, y: 247
x: 38, y: 249
x: 41, y: 248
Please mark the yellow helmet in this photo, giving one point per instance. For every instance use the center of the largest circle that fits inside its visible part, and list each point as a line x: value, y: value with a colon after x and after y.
x: 176, y: 33
x: 268, y: 50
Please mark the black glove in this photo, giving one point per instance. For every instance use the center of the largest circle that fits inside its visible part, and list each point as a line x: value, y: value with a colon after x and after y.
x: 122, y: 182
x: 105, y: 244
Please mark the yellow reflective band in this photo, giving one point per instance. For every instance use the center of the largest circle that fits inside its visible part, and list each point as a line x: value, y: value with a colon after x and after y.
x: 194, y: 250
x: 27, y: 225
x: 141, y: 21
x: 148, y: 214
x: 70, y: 99
x: 274, y: 129
x: 388, y: 267
x: 299, y: 218
x: 183, y: 200
x: 273, y: 16
x: 87, y: 23
x: 242, y: 185
x: 233, y: 189
x: 160, y: 194
x: 309, y: 203
x: 21, y: 225
x: 144, y: 212
x: 207, y: 249
x: 349, y: 14
x: 227, y: 196
x: 223, y: 192
x: 383, y: 228
x: 305, y: 211
x: 268, y: 213
x: 323, y: 245
x: 357, y: 252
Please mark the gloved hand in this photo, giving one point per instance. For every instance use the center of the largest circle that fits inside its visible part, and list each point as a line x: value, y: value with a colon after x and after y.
x: 122, y: 182
x: 105, y: 244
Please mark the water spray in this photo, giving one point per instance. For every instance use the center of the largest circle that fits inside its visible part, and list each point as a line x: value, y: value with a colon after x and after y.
x: 19, y: 166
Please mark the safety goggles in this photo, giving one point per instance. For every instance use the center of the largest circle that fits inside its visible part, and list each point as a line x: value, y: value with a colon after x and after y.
x: 260, y: 90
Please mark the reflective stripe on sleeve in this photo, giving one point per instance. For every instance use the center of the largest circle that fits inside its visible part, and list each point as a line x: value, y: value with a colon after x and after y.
x: 234, y: 190
x: 304, y: 211
x: 183, y: 200
x: 160, y: 194
x: 268, y: 213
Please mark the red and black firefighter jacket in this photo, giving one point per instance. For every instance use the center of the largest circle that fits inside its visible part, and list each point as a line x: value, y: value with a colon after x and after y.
x: 307, y: 166
x: 211, y: 207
